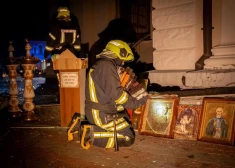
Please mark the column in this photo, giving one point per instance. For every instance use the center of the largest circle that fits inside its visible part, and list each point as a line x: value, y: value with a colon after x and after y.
x: 224, y: 54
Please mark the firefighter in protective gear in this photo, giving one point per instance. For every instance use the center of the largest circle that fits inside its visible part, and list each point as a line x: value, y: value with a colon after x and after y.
x: 64, y: 34
x: 105, y: 97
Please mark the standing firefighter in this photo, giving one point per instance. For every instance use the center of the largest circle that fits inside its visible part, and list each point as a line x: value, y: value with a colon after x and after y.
x: 64, y: 34
x: 105, y: 98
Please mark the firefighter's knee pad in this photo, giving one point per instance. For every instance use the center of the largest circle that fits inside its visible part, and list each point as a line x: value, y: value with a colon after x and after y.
x: 126, y: 142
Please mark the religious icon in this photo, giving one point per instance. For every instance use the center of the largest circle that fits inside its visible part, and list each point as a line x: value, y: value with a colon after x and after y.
x: 159, y: 116
x: 217, y: 122
x: 187, y: 123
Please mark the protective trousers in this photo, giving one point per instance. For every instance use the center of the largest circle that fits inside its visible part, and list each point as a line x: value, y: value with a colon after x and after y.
x: 102, y: 130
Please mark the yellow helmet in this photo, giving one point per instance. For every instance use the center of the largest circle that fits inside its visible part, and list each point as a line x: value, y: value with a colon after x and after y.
x: 63, y: 11
x: 121, y: 49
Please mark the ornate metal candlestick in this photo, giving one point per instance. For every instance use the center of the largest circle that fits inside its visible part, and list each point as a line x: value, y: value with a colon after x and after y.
x: 13, y: 88
x: 28, y: 63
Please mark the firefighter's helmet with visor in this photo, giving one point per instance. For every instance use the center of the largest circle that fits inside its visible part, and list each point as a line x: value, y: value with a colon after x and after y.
x: 121, y: 49
x: 63, y: 12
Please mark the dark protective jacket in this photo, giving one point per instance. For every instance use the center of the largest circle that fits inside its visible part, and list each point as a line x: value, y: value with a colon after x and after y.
x: 63, y: 35
x: 103, y: 88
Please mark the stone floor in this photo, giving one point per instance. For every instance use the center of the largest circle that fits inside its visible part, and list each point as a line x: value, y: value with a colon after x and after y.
x: 45, y: 145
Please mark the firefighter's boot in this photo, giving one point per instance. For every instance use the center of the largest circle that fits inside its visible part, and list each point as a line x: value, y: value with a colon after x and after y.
x: 86, y: 136
x: 74, y: 125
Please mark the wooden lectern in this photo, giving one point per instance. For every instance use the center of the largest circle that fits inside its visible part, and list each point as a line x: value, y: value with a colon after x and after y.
x: 72, y: 76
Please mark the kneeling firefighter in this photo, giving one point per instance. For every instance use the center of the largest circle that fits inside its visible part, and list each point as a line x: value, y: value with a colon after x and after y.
x: 106, y: 99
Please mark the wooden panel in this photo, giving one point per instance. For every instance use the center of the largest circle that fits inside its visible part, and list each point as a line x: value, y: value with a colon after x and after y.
x: 69, y: 103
